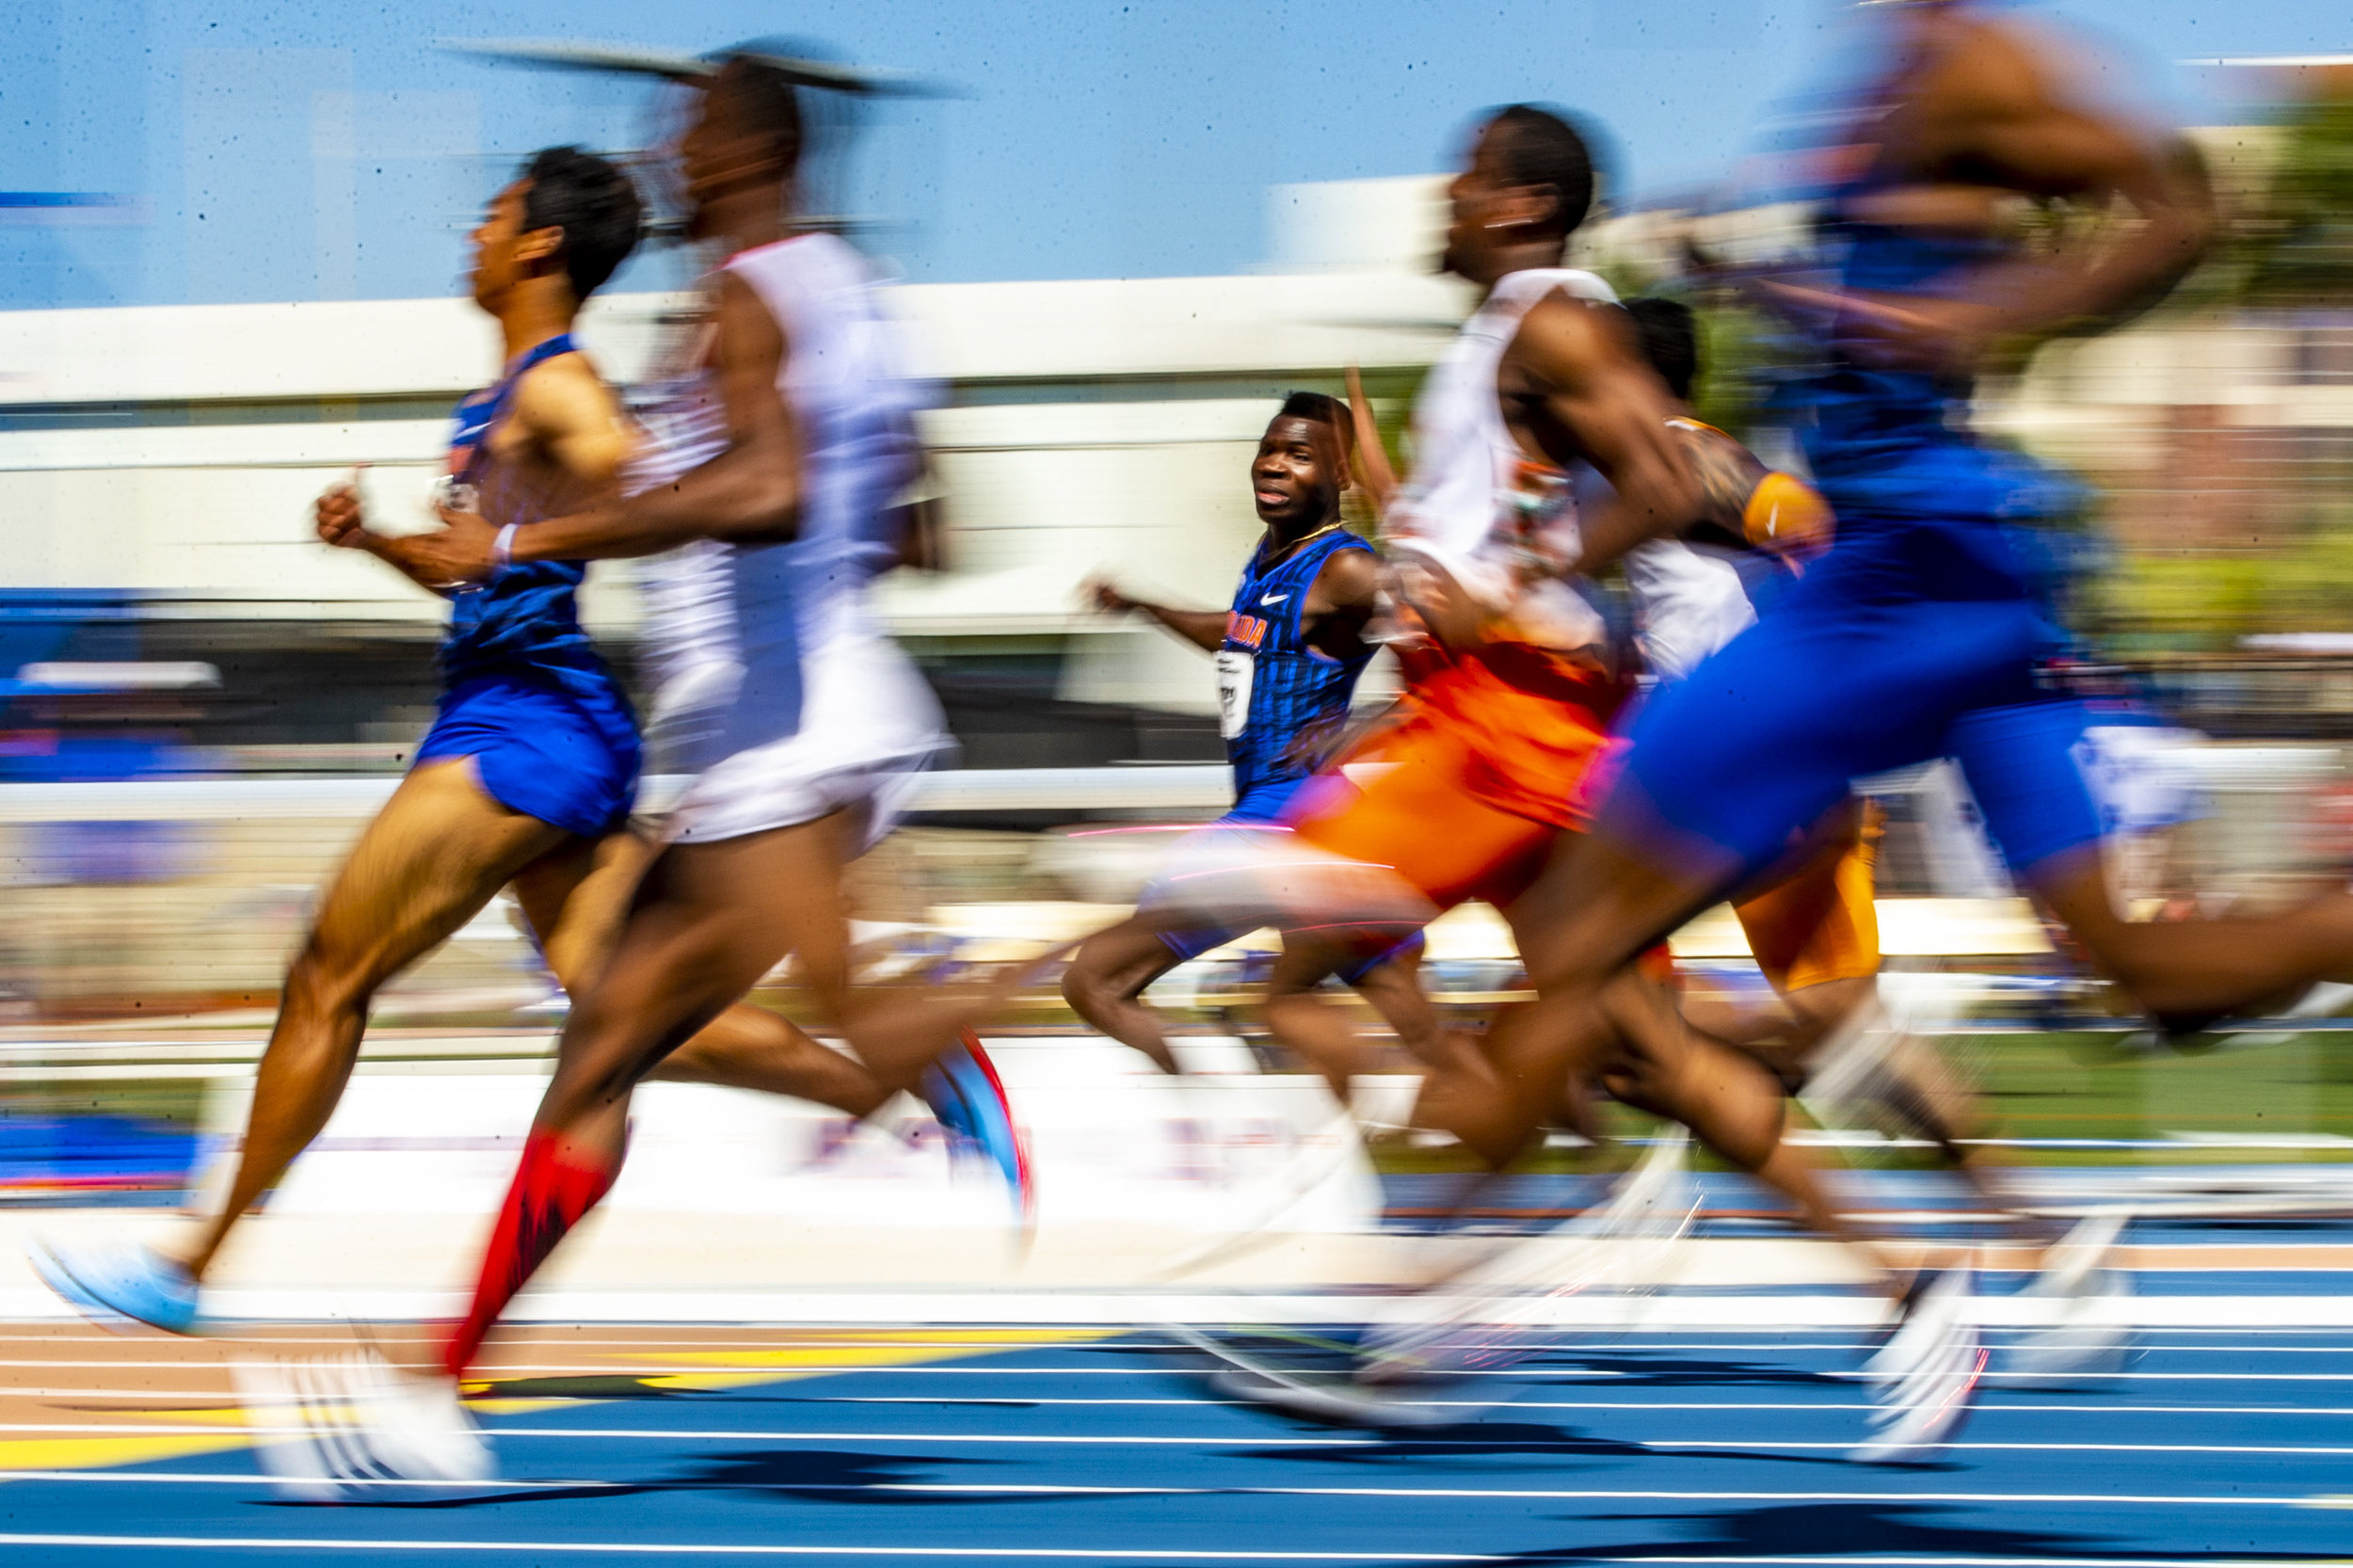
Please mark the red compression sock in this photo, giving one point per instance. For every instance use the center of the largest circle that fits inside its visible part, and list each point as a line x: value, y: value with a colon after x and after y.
x: 557, y: 1182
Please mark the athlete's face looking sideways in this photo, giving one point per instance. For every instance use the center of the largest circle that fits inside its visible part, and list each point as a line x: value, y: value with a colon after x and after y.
x: 1298, y: 474
x: 1489, y: 211
x: 504, y: 254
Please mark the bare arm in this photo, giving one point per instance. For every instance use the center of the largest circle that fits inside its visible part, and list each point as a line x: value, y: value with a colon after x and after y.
x: 1372, y: 459
x: 750, y: 493
x: 1204, y: 628
x: 1988, y: 111
x: 1340, y: 603
x: 1572, y: 364
x: 342, y: 522
x: 566, y: 408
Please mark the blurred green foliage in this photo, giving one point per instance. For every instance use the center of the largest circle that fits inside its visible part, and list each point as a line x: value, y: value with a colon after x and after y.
x: 2296, y: 250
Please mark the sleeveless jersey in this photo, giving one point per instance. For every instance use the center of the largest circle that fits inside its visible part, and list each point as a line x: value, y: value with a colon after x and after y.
x: 1281, y: 703
x: 739, y: 620
x: 1890, y: 444
x: 1694, y: 593
x: 1502, y: 527
x: 526, y: 621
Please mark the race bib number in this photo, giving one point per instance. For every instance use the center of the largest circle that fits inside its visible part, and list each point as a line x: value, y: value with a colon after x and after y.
x: 1234, y: 671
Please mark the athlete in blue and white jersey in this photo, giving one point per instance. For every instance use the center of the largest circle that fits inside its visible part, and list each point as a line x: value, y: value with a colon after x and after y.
x: 1288, y: 654
x: 1921, y: 634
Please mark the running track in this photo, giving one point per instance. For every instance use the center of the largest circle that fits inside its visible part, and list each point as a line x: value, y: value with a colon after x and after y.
x: 1057, y: 1446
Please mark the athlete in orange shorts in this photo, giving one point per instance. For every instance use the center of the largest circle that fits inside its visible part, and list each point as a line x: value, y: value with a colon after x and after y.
x: 1473, y: 786
x: 1511, y: 699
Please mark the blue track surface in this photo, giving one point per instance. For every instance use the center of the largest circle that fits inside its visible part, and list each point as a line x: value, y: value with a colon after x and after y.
x: 2221, y: 1445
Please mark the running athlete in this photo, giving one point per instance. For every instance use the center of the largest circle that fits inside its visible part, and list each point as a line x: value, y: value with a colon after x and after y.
x: 1815, y: 935
x: 528, y: 773
x: 1510, y: 704
x: 789, y: 452
x: 1921, y: 634
x: 1288, y: 655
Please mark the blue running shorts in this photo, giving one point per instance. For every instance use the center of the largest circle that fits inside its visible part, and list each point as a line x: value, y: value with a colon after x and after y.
x: 1765, y: 736
x: 568, y: 758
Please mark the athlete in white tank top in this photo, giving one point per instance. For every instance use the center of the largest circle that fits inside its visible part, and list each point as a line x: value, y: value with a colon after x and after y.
x: 776, y: 685
x: 1502, y: 527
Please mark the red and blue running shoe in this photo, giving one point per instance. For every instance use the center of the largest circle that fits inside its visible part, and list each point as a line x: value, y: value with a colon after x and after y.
x: 968, y: 1098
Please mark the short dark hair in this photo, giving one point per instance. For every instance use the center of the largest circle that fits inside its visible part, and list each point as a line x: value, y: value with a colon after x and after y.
x: 1539, y: 147
x: 1321, y: 407
x: 594, y: 204
x: 1669, y: 336
x: 761, y: 94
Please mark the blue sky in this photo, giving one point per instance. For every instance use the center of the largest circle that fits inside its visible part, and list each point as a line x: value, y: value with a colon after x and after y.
x: 259, y: 149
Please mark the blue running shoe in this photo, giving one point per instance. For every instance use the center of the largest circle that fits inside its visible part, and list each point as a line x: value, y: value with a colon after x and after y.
x: 966, y: 1095
x: 117, y: 1284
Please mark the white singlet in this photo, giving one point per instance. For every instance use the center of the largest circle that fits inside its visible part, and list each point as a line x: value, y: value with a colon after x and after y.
x: 775, y: 686
x: 1477, y: 507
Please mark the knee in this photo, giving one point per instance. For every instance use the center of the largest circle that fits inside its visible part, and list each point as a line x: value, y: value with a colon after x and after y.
x: 1819, y: 1008
x: 327, y: 980
x: 1082, y: 982
x: 1093, y: 980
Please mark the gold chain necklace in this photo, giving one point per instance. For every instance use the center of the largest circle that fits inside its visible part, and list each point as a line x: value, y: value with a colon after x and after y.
x: 1305, y: 538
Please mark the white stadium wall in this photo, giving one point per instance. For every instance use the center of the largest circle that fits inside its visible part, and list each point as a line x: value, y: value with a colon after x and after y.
x: 175, y: 450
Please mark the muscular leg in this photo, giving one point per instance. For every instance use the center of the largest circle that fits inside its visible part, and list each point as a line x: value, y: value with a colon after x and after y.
x: 1107, y: 978
x: 1659, y: 1064
x: 1783, y: 1031
x: 576, y: 899
x: 1590, y: 912
x: 2189, y: 972
x: 1300, y: 1019
x: 706, y: 923
x: 439, y: 850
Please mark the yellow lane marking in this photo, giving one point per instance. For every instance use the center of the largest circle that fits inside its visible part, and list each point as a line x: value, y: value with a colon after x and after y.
x: 813, y: 1355
x: 98, y: 1453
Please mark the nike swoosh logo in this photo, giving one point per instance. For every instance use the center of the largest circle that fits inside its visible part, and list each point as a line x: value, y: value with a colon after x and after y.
x: 1274, y: 598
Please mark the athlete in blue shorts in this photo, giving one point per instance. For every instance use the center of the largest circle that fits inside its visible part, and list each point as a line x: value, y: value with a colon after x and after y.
x: 1921, y: 634
x: 526, y: 777
x: 1288, y: 654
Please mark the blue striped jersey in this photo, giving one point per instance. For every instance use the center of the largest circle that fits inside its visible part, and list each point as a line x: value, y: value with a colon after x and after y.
x: 1282, y: 705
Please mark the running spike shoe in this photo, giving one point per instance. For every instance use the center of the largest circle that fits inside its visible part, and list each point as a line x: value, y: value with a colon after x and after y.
x: 334, y: 1428
x: 117, y: 1285
x: 2089, y: 1334
x: 1926, y: 1376
x: 968, y: 1098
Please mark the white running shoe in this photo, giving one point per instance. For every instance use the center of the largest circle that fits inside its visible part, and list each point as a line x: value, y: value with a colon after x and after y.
x: 333, y: 1427
x: 1924, y: 1376
x: 1476, y: 1321
x: 2089, y: 1339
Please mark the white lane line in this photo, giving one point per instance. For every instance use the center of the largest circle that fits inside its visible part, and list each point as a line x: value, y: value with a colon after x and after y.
x: 1251, y: 1438
x: 1103, y: 1553
x: 2071, y: 1407
x: 680, y: 1368
x: 1256, y: 1439
x: 1534, y: 1374
x: 1765, y: 1446
x: 154, y: 1478
x: 1084, y: 1554
x: 1977, y: 1413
